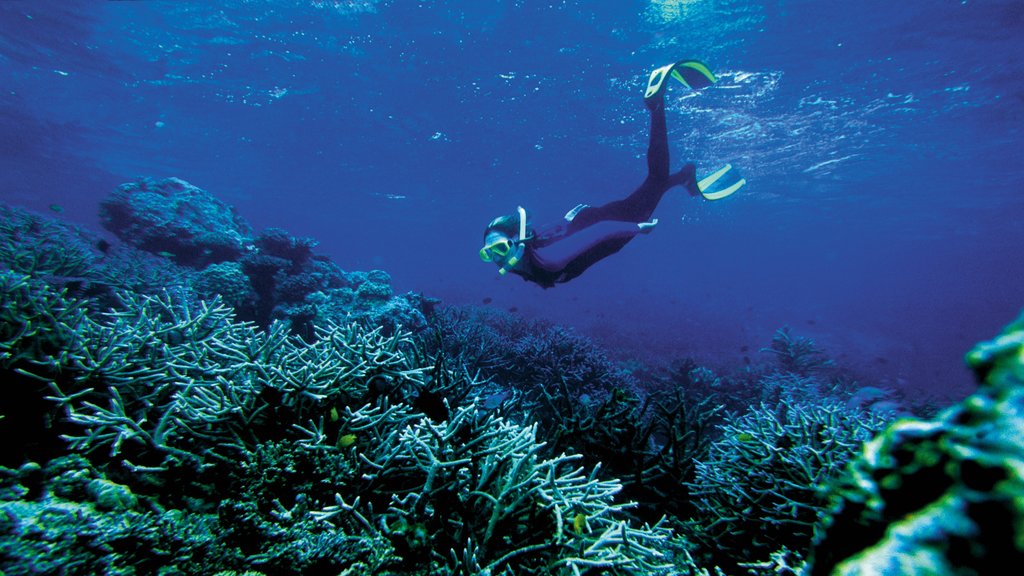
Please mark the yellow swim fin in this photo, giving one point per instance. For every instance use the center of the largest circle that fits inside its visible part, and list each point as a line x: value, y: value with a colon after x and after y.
x: 712, y: 187
x: 691, y: 73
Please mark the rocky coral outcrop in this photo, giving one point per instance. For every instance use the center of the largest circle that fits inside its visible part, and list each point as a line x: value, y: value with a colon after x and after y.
x: 944, y: 496
x: 174, y: 217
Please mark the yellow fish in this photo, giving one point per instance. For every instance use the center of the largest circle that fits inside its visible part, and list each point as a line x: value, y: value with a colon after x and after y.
x: 579, y: 523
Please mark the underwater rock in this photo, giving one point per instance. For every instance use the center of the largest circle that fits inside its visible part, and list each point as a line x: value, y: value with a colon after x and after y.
x: 111, y: 496
x: 229, y: 281
x: 279, y: 243
x: 174, y: 217
x: 944, y: 496
x: 407, y: 311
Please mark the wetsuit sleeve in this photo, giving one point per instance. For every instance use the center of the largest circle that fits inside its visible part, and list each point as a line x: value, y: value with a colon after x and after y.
x: 578, y: 251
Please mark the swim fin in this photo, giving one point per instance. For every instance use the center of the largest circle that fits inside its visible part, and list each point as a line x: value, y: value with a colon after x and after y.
x: 713, y: 187
x: 692, y: 73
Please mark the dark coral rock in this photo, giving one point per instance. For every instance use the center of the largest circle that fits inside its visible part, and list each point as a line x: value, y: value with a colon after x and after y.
x: 944, y: 496
x: 84, y: 524
x: 172, y: 216
x: 277, y: 242
x: 374, y: 285
x: 228, y: 280
x: 263, y: 266
x: 331, y: 276
x: 291, y: 288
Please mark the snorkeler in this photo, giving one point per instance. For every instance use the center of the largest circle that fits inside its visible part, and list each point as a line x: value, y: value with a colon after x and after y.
x: 560, y: 252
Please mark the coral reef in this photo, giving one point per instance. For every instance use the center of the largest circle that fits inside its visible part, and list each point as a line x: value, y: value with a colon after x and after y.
x: 761, y: 487
x: 472, y: 495
x: 943, y: 496
x: 228, y: 281
x: 265, y: 277
x: 174, y: 217
x: 797, y: 354
x: 32, y: 244
x: 264, y: 412
x: 317, y: 454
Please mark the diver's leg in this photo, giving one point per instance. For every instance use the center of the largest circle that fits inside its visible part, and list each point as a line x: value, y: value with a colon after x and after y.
x: 638, y: 206
x: 657, y: 148
x: 658, y: 157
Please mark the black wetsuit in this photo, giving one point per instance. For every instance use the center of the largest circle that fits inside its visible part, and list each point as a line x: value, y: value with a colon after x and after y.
x: 560, y: 252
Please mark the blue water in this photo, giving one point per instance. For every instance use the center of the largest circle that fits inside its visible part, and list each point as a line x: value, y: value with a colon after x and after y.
x: 882, y: 142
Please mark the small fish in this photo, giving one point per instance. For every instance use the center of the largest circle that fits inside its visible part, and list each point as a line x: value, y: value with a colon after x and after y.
x: 488, y: 300
x: 102, y: 245
x: 494, y: 401
x: 346, y: 441
x: 56, y: 208
x: 579, y: 523
x: 334, y: 415
x: 745, y: 437
x: 165, y: 254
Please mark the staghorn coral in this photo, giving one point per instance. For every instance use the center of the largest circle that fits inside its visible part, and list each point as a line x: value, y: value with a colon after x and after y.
x: 471, y: 494
x: 797, y: 354
x: 37, y: 336
x: 583, y: 403
x: 36, y: 245
x: 184, y: 384
x: 761, y: 486
x: 524, y: 354
x: 939, y: 496
x: 37, y: 324
x: 162, y: 388
x: 78, y: 522
x: 67, y: 256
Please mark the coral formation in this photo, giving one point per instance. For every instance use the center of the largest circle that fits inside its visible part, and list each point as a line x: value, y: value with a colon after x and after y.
x: 761, y: 487
x: 944, y: 496
x: 170, y: 399
x: 174, y: 217
x: 264, y: 412
x: 797, y: 354
x: 265, y: 277
x: 32, y: 244
x: 229, y: 281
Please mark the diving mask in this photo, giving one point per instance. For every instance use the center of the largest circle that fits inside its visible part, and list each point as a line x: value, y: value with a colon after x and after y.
x: 503, y: 249
x: 496, y: 250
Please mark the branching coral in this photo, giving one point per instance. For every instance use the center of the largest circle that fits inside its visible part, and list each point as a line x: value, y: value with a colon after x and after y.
x: 471, y: 494
x: 37, y: 324
x: 163, y: 382
x: 761, y: 487
x: 32, y: 244
x: 797, y: 354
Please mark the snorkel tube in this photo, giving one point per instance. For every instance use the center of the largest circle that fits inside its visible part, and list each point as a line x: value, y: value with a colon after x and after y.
x: 517, y: 254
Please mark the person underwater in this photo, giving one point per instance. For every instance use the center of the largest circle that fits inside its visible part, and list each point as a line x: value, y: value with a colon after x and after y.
x: 559, y: 252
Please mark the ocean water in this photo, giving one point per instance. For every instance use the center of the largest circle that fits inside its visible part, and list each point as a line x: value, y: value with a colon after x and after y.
x: 881, y: 141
